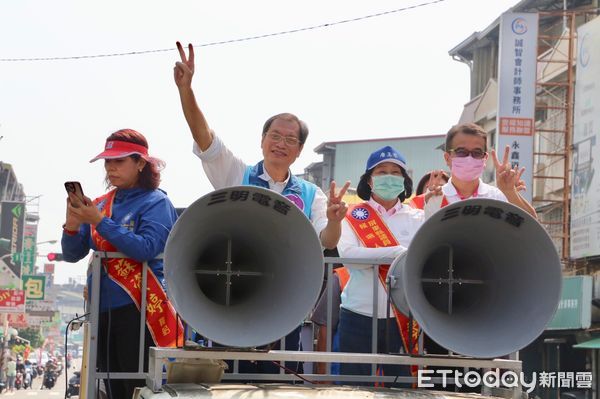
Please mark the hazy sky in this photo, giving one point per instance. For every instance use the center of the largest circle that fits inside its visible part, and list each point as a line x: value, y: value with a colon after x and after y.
x: 381, y: 77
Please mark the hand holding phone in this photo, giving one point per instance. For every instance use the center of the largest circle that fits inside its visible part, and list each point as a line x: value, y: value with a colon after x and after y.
x: 74, y: 187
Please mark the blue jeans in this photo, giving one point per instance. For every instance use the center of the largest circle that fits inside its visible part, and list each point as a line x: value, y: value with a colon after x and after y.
x: 355, y: 337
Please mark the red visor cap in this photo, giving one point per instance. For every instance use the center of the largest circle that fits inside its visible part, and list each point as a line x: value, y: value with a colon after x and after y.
x: 121, y: 149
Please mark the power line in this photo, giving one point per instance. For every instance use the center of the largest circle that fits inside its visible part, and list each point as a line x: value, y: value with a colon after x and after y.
x: 218, y: 43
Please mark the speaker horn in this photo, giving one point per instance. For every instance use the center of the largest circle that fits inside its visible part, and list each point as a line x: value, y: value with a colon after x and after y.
x: 481, y: 277
x: 243, y: 266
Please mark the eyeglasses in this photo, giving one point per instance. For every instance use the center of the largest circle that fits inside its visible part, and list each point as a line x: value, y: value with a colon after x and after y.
x: 290, y: 141
x: 463, y: 152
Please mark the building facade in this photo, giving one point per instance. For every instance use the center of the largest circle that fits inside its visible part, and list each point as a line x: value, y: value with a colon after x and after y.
x: 346, y: 160
x: 571, y: 343
x: 10, y: 188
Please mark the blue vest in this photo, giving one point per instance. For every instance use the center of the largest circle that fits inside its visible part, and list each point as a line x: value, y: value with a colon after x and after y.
x: 299, y: 191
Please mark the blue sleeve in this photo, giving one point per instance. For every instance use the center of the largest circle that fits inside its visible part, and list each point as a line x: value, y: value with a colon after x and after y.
x: 76, y: 247
x: 150, y: 235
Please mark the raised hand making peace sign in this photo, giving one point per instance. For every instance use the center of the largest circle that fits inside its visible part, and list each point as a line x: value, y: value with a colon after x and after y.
x: 508, y: 179
x: 184, y: 69
x: 336, y: 208
x: 437, y: 178
x: 183, y: 72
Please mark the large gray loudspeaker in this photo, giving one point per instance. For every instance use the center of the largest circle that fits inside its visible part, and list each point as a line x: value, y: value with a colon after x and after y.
x: 481, y: 277
x: 243, y: 266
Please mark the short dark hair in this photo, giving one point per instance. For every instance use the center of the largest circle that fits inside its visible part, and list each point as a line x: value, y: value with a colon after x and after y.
x: 150, y: 175
x: 363, y: 190
x: 286, y: 116
x: 466, y: 128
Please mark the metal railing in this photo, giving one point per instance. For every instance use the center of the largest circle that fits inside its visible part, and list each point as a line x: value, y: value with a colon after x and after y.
x: 159, y: 356
x: 93, y: 307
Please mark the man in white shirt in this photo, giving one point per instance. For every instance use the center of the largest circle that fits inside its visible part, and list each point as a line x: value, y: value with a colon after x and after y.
x: 283, y: 139
x: 466, y: 155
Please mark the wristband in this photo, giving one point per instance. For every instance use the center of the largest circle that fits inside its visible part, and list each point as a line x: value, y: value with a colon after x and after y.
x: 69, y: 232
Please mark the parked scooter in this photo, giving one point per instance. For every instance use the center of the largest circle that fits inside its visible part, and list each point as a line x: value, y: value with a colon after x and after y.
x: 34, y: 370
x: 19, y: 380
x: 49, y: 379
x: 27, y: 377
x: 73, y: 388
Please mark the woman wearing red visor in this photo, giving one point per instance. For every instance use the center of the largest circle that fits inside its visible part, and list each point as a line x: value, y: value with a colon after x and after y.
x: 134, y: 217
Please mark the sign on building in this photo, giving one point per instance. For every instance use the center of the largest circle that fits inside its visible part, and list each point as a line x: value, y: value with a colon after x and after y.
x: 29, y: 249
x: 585, y: 183
x: 517, y: 64
x: 575, y: 307
x: 36, y: 321
x: 12, y: 301
x: 17, y: 320
x: 12, y: 221
x: 34, y: 287
x: 49, y: 268
x: 41, y: 307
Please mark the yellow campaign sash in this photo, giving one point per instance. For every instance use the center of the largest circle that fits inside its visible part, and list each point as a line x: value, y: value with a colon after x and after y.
x: 166, y: 329
x: 374, y: 233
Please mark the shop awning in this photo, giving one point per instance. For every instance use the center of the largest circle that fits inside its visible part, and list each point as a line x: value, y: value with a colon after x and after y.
x: 591, y: 344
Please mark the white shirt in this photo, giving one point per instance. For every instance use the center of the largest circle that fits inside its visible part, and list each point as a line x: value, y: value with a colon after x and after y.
x: 449, y: 191
x: 224, y: 169
x: 403, y: 221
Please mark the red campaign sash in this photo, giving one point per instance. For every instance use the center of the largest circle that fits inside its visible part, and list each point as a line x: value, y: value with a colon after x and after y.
x: 445, y: 202
x: 374, y: 233
x: 161, y: 318
x: 418, y: 201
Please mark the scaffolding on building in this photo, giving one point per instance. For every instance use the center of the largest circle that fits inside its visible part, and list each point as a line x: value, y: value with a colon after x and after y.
x: 555, y: 92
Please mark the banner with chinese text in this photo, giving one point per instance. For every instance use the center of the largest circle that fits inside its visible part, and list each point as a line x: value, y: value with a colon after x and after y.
x: 29, y: 249
x: 12, y: 301
x: 517, y: 68
x: 585, y: 183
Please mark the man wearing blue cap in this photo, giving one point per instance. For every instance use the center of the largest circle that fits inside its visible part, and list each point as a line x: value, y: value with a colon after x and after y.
x: 283, y: 139
x: 381, y: 227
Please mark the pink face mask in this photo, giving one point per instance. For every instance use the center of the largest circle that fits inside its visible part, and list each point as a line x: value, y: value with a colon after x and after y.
x: 467, y: 168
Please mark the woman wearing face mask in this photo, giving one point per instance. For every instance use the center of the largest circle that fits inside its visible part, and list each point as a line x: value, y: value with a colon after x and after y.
x: 466, y: 156
x: 381, y: 227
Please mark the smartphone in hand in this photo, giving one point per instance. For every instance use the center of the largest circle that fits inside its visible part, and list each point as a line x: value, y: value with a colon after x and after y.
x: 75, y: 188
